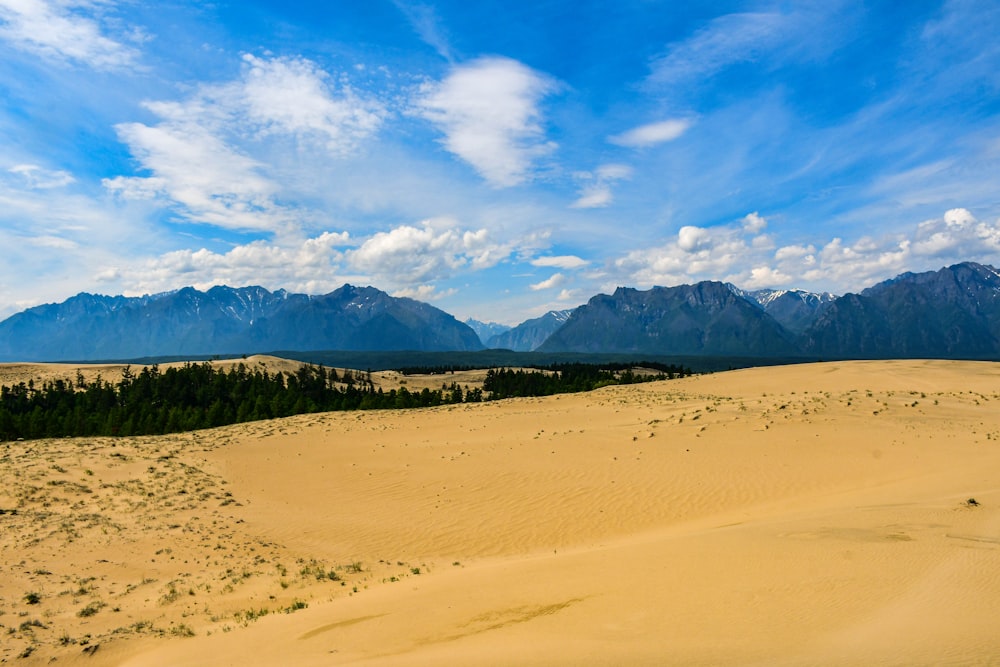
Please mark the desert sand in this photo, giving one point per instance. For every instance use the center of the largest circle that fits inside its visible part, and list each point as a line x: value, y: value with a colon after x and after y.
x: 823, y: 514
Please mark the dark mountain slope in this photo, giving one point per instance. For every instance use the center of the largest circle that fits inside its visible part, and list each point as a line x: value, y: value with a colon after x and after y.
x: 704, y: 319
x: 950, y: 313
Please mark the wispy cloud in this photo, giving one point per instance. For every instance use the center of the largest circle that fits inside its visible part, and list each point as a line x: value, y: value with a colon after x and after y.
x: 68, y: 31
x: 489, y: 111
x: 199, y: 174
x: 200, y: 154
x: 425, y: 22
x: 39, y: 178
x: 799, y: 32
x: 596, y: 186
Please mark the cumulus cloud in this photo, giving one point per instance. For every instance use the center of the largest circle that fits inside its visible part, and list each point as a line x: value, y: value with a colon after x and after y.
x: 695, y: 253
x: 765, y: 276
x: 199, y: 156
x: 754, y: 223
x: 62, y: 31
x: 596, y: 190
x: 408, y: 260
x: 312, y: 265
x: 739, y: 253
x: 489, y: 111
x: 435, y: 250
x: 652, y: 133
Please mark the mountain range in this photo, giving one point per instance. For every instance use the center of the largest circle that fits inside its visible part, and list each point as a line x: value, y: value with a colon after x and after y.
x: 950, y: 313
x: 227, y: 320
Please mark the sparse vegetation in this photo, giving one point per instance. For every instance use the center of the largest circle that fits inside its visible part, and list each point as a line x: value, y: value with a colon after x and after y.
x: 91, y: 609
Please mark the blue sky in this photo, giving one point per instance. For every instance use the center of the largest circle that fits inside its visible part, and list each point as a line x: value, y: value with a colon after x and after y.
x: 496, y: 159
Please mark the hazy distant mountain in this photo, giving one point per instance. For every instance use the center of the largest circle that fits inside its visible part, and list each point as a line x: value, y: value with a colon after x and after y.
x: 952, y: 313
x: 225, y: 320
x: 530, y: 334
x: 486, y: 330
x: 793, y: 309
x: 704, y: 319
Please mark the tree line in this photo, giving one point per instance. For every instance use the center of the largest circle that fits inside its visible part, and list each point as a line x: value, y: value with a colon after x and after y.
x: 570, y: 377
x: 200, y: 395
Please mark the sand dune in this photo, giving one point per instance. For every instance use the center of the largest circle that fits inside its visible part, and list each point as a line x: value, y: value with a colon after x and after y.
x: 802, y: 515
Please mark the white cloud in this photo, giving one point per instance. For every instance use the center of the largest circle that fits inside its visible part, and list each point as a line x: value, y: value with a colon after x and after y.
x: 568, y: 295
x: 596, y: 195
x: 424, y: 20
x: 799, y: 32
x: 735, y: 253
x: 614, y: 172
x: 800, y: 252
x: 691, y: 238
x: 52, y: 242
x: 409, y: 255
x: 754, y: 223
x: 489, y: 112
x: 696, y: 253
x: 555, y: 280
x: 560, y: 261
x: 596, y: 191
x: 62, y: 31
x: 726, y: 40
x: 38, y: 178
x: 652, y: 133
x: 765, y: 276
x: 312, y: 266
x: 958, y: 218
x: 212, y: 183
x: 425, y: 293
x: 200, y: 154
x: 295, y: 96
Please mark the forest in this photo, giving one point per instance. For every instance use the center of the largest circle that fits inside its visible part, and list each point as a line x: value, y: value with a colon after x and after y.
x: 199, y: 395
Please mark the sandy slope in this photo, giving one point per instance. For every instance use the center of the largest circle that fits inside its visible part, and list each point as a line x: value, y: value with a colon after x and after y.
x: 806, y: 515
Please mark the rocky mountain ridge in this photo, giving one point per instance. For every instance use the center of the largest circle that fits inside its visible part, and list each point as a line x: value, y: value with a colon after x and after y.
x: 950, y: 313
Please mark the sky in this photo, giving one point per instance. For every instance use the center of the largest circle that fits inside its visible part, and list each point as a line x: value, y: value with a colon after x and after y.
x: 495, y: 159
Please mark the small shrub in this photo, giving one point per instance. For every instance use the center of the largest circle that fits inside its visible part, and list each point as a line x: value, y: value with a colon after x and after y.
x: 295, y: 606
x: 32, y: 598
x: 182, y: 630
x: 90, y: 609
